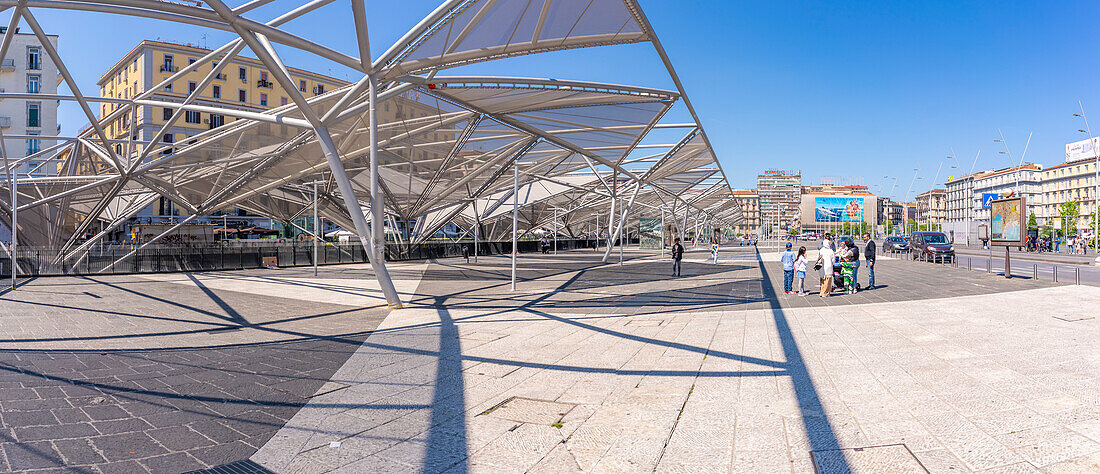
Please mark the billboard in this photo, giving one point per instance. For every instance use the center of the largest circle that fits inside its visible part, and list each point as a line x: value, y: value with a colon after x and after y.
x: 1083, y: 149
x: 988, y: 198
x: 838, y: 209
x: 1007, y: 223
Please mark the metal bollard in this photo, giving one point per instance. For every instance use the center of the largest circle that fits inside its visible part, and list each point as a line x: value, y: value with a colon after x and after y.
x: 1077, y: 275
x: 989, y: 266
x: 1056, y: 273
x: 1034, y: 271
x: 969, y: 265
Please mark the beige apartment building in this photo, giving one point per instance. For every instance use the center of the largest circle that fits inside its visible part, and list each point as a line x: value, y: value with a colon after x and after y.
x: 1073, y: 181
x: 749, y: 201
x: 932, y: 207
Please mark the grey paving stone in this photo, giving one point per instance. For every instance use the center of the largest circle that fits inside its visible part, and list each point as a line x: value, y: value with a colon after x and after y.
x: 124, y: 446
x: 32, y: 455
x: 77, y: 451
x: 73, y: 430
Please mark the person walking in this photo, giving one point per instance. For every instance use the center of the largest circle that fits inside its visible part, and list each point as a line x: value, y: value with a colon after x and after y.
x: 714, y: 250
x: 825, y: 265
x: 788, y: 268
x: 869, y: 255
x: 800, y: 270
x: 677, y: 256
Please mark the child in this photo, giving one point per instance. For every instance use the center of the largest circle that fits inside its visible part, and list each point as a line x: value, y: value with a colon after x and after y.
x: 800, y: 271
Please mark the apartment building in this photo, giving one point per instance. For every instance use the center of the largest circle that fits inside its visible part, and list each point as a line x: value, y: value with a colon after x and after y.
x: 780, y: 194
x: 1072, y: 181
x: 1026, y: 181
x: 749, y: 202
x: 931, y: 207
x: 28, y: 123
x: 244, y: 84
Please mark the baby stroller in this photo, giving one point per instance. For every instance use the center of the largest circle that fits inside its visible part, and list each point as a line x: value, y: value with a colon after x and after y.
x: 843, y: 274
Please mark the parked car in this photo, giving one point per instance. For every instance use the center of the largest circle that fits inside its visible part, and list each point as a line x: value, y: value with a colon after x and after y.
x: 896, y: 243
x: 931, y: 247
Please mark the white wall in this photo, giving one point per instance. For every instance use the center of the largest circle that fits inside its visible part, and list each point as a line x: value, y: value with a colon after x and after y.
x: 15, y: 110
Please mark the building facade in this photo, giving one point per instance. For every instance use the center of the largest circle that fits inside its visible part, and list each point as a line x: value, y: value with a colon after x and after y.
x: 892, y: 213
x: 1026, y: 181
x: 959, y: 221
x: 1066, y: 182
x: 931, y: 207
x: 749, y: 202
x: 244, y: 84
x: 780, y: 194
x: 28, y: 124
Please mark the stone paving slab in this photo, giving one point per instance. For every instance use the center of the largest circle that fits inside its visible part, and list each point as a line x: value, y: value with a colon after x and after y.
x: 129, y: 373
x: 710, y: 372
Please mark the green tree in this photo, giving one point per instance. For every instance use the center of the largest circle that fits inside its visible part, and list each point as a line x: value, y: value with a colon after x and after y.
x: 1069, y: 211
x: 1032, y: 221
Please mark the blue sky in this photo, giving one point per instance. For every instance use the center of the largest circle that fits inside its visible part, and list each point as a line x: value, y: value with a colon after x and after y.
x: 861, y: 90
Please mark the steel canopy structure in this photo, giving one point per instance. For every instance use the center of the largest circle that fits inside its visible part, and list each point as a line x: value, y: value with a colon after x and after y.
x: 403, y: 144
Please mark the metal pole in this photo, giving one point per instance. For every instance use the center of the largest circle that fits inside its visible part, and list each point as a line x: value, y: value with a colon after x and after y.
x: 316, y: 229
x: 515, y: 218
x: 555, y: 231
x: 1095, y: 187
x: 14, y: 226
x: 477, y: 228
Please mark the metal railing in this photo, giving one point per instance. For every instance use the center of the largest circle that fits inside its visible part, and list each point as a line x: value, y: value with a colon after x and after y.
x: 242, y: 254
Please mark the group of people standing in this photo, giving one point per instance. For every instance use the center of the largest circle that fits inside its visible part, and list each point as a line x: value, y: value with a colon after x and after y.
x: 795, y: 266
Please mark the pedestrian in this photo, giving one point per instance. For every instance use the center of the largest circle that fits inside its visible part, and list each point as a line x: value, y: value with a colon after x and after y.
x: 466, y: 252
x: 788, y: 258
x: 825, y: 266
x: 677, y: 255
x: 800, y: 270
x: 714, y: 250
x: 869, y: 255
x: 853, y: 256
x: 1057, y: 242
x: 825, y: 242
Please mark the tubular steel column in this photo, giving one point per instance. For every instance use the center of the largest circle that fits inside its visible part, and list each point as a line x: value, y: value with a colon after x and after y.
x: 316, y: 229
x: 354, y: 209
x: 555, y: 231
x: 14, y: 226
x: 515, y: 218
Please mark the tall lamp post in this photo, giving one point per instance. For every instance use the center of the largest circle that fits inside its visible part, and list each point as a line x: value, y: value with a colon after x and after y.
x: 1095, y: 184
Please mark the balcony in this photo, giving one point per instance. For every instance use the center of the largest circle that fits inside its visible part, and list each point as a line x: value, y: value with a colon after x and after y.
x: 5, y: 122
x: 263, y: 83
x: 8, y: 65
x: 220, y: 77
x: 168, y: 68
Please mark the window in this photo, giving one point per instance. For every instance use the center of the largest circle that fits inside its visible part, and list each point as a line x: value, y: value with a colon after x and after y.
x: 242, y: 95
x: 282, y: 101
x: 32, y: 115
x: 32, y: 144
x: 192, y: 116
x: 216, y: 120
x: 217, y: 92
x: 263, y: 76
x: 169, y: 138
x: 191, y: 86
x: 33, y: 83
x: 167, y: 113
x: 190, y: 61
x: 243, y: 74
x: 302, y: 85
x: 167, y: 67
x: 168, y: 87
x: 34, y: 57
x: 263, y: 99
x: 320, y: 89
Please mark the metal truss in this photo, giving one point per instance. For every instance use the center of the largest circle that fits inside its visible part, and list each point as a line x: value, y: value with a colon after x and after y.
x: 576, y: 148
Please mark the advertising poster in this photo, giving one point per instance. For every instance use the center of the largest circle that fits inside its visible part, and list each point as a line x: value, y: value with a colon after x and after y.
x: 1007, y: 221
x: 838, y: 209
x: 649, y: 232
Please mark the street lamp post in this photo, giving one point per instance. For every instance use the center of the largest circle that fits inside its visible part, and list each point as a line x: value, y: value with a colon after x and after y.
x: 1095, y: 185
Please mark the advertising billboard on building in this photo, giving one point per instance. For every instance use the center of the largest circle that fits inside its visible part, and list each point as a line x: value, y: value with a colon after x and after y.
x: 1007, y: 223
x: 1083, y: 149
x: 649, y: 232
x: 838, y: 209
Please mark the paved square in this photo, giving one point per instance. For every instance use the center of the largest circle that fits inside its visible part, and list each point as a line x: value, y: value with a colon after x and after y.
x: 586, y: 367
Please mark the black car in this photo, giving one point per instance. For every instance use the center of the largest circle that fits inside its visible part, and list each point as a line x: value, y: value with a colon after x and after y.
x: 931, y: 247
x: 896, y: 243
